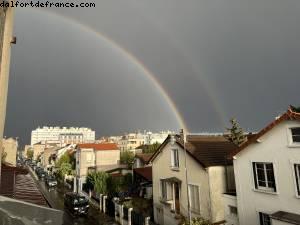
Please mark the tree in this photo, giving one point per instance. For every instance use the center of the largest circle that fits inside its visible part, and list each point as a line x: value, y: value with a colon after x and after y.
x: 65, y: 158
x: 29, y: 154
x: 100, y: 182
x: 127, y: 158
x: 64, y: 169
x: 151, y: 148
x: 236, y: 133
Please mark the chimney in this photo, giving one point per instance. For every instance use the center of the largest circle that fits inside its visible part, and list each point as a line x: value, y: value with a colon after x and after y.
x: 181, y: 133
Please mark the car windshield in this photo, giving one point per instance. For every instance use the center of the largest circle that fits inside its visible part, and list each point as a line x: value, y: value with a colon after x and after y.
x: 80, y: 200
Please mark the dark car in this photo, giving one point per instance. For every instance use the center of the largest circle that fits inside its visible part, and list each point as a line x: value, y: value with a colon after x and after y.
x: 76, y: 204
x: 50, y: 181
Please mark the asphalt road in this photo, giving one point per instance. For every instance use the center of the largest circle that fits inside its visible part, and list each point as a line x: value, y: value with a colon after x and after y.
x: 55, y: 198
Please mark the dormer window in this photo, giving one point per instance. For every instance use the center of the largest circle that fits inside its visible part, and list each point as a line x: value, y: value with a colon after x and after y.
x: 295, y: 134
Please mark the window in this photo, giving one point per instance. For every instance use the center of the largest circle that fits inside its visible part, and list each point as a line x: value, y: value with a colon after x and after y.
x: 296, y: 134
x: 163, y: 190
x: 264, y: 219
x: 264, y: 176
x: 174, y: 158
x: 166, y: 191
x: 297, y: 177
x: 194, y: 198
x: 233, y: 210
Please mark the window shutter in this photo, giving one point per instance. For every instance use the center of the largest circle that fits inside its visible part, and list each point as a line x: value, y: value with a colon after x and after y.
x: 254, y: 174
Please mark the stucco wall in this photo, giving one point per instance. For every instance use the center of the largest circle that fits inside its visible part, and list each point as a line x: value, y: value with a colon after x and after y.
x: 273, y: 147
x: 84, y: 163
x: 196, y: 175
x: 217, y: 186
x: 107, y: 157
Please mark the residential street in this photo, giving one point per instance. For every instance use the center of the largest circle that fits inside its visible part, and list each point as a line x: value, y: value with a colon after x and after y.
x: 56, y: 199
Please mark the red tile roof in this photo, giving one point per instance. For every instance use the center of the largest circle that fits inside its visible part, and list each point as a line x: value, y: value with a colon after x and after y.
x: 145, y: 172
x: 289, y: 115
x: 100, y: 146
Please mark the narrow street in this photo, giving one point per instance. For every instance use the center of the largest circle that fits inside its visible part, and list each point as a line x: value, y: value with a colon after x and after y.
x: 55, y: 197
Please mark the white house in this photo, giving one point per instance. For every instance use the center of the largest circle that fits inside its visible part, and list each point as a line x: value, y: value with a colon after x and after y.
x: 203, y: 184
x: 267, y: 174
x: 101, y: 156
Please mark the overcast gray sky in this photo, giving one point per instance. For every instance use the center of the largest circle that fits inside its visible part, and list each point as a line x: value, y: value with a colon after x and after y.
x: 216, y: 59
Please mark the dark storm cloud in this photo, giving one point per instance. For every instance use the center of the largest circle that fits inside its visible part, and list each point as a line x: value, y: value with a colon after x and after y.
x: 66, y: 76
x: 215, y: 58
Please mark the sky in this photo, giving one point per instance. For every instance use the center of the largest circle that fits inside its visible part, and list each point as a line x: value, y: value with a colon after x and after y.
x: 142, y: 65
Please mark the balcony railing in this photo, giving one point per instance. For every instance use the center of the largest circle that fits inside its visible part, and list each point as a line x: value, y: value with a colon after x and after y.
x: 13, y: 212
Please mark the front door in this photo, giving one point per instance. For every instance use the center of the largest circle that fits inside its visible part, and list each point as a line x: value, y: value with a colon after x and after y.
x: 177, y: 200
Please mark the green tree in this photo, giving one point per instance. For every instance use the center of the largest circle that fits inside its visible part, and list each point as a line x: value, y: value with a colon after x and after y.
x: 236, y: 134
x: 29, y: 154
x: 127, y: 158
x: 65, y: 158
x: 151, y: 148
x: 100, y: 182
x: 65, y: 169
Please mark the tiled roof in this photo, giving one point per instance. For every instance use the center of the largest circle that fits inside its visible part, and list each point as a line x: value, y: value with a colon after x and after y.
x: 289, y: 115
x: 144, y: 156
x: 145, y: 172
x: 100, y: 146
x: 208, y: 150
x: 18, y: 184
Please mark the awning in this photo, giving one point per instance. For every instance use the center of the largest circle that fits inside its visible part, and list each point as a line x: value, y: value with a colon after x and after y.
x: 172, y: 180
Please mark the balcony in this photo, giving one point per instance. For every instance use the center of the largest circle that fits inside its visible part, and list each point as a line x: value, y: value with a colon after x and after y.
x: 14, y: 212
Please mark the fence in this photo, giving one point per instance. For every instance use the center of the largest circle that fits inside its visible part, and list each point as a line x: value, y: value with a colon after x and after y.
x: 110, y: 207
x: 137, y: 218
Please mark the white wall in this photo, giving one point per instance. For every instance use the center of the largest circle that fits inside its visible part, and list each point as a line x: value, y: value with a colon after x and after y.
x: 274, y: 147
x: 107, y: 157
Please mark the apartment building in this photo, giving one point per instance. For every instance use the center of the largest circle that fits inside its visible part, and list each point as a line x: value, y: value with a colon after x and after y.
x: 204, y: 159
x: 62, y: 135
x: 130, y: 142
x: 267, y: 175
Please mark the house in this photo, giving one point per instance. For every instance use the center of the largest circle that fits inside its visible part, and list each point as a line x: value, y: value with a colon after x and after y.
x: 38, y: 149
x: 48, y: 156
x: 141, y: 159
x: 101, y: 156
x: 10, y: 148
x: 267, y: 174
x: 192, y: 173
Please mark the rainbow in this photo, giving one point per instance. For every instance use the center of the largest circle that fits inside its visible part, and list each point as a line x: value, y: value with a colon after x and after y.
x: 132, y: 59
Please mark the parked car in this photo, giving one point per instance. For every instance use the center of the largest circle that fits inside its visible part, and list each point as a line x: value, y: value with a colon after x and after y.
x: 76, y: 204
x: 50, y: 181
